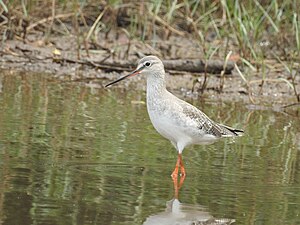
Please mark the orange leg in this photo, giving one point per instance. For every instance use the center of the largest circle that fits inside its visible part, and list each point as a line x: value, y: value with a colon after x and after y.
x: 176, y: 188
x: 174, y: 175
x: 178, y: 185
x: 182, y: 170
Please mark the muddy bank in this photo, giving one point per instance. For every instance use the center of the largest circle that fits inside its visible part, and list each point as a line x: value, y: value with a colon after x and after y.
x: 95, y: 42
x: 62, y: 61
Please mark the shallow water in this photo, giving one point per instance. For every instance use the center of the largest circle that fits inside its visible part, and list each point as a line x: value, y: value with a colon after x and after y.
x: 73, y: 154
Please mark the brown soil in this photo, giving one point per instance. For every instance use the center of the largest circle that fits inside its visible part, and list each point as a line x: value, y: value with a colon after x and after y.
x: 61, y: 58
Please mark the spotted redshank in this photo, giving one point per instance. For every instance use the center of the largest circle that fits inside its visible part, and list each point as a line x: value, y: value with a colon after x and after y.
x: 180, y: 122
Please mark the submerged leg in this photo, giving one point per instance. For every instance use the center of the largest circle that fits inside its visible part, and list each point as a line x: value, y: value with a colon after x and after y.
x: 177, y: 185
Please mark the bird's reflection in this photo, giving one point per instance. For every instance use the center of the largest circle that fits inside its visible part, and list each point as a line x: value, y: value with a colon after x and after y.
x: 184, y: 214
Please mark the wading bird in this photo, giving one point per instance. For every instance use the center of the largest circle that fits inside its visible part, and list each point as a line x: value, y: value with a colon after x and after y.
x: 180, y: 122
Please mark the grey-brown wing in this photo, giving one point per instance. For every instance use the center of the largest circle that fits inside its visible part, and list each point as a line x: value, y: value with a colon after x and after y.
x: 206, y: 124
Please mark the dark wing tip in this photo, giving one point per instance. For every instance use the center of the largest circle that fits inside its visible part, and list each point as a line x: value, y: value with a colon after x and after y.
x: 238, y: 132
x: 229, y: 131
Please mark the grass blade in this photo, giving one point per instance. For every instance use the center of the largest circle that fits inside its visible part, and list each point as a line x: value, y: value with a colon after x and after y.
x: 4, y: 6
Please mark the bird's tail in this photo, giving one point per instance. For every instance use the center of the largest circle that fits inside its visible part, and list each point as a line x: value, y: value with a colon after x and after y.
x: 229, y: 131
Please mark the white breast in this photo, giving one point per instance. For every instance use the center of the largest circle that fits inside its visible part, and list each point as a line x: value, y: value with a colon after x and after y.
x: 165, y: 126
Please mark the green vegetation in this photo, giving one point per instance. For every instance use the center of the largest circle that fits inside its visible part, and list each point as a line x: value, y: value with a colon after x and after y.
x: 259, y: 33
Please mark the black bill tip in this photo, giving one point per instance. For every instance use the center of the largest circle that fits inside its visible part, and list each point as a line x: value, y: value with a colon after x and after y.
x: 116, y: 81
x: 138, y: 71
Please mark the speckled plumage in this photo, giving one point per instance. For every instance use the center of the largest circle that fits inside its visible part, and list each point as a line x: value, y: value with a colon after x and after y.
x: 180, y: 122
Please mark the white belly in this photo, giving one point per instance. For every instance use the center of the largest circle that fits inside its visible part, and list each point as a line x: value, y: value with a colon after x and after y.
x: 167, y: 128
x: 180, y: 136
x: 167, y: 116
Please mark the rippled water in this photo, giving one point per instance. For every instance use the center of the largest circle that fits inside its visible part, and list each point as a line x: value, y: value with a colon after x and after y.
x: 73, y: 154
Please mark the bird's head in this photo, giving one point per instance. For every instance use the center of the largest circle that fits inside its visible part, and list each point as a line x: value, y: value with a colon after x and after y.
x: 146, y: 66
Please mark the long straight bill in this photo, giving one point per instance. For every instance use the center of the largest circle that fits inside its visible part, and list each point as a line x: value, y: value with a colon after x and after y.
x: 137, y: 71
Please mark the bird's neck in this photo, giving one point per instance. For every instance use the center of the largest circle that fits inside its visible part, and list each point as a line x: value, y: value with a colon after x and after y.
x: 156, y: 85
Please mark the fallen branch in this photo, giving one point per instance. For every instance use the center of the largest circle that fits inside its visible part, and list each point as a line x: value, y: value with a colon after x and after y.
x: 198, y: 66
x: 107, y: 63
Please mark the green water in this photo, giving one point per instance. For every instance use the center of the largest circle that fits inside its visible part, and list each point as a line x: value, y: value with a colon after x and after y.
x: 74, y: 154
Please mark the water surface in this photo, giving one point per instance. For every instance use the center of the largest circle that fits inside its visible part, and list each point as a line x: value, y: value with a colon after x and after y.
x: 74, y: 154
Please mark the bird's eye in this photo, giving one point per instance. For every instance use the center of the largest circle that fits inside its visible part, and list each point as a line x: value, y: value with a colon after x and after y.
x: 147, y: 64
